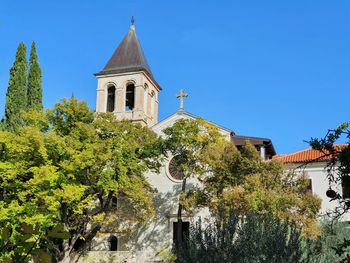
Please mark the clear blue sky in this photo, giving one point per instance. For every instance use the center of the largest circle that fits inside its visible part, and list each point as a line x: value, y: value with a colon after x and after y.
x: 276, y: 69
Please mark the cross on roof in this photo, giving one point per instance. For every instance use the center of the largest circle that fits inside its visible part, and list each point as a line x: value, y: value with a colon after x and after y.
x: 181, y: 95
x: 132, y: 20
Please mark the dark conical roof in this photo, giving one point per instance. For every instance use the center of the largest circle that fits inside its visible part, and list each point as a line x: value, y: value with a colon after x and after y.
x: 127, y: 57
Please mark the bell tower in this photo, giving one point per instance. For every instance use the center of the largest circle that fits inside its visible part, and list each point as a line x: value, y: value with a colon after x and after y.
x: 126, y: 86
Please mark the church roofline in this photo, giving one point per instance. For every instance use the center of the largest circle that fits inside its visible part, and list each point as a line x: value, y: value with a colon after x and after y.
x: 191, y: 115
x: 238, y: 140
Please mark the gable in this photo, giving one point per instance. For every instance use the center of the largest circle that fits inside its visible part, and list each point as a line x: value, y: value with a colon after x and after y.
x: 168, y: 122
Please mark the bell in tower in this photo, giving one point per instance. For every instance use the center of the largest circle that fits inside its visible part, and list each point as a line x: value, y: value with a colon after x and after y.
x: 126, y: 85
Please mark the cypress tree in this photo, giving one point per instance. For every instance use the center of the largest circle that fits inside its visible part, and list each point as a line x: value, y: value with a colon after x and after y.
x: 34, y: 91
x: 16, y: 96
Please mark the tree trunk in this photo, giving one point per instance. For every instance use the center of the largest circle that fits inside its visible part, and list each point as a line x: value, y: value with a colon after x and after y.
x: 179, y: 236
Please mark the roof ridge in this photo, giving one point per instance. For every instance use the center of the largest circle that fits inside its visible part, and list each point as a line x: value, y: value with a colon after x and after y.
x: 310, y: 148
x: 308, y: 154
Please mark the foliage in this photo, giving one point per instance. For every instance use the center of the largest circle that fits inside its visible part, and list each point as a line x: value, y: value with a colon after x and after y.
x: 188, y: 141
x: 239, y: 180
x: 328, y: 247
x: 243, y: 181
x: 166, y: 255
x: 34, y: 87
x: 16, y: 96
x: 250, y: 238
x: 59, y: 174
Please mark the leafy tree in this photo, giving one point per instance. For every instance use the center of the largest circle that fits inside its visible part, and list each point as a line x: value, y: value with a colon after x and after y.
x: 245, y: 182
x: 34, y: 89
x: 230, y: 179
x: 60, y: 175
x: 16, y: 96
x: 187, y: 141
x: 252, y: 238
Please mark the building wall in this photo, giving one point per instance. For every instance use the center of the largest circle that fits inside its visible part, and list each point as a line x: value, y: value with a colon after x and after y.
x: 318, y: 175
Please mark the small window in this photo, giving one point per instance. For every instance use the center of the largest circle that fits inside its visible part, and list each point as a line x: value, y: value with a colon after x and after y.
x: 111, y: 99
x: 78, y: 243
x: 130, y: 97
x: 114, y: 202
x: 346, y: 186
x: 309, y: 187
x: 113, y: 243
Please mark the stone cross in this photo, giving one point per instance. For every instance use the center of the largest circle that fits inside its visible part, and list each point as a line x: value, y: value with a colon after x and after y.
x: 182, y: 95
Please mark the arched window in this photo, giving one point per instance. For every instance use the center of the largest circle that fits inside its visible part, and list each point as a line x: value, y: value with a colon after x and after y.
x: 113, y: 243
x: 130, y: 97
x: 111, y: 99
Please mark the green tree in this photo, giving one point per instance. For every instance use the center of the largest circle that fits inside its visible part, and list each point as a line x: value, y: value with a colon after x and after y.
x: 237, y: 180
x: 16, y: 96
x: 252, y: 238
x: 187, y: 141
x: 34, y: 87
x: 60, y: 176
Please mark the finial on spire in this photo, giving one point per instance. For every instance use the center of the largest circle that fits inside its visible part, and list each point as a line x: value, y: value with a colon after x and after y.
x: 182, y: 95
x: 132, y: 23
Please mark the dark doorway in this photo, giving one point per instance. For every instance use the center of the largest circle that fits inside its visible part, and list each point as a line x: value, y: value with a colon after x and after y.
x: 185, y: 231
x: 113, y: 243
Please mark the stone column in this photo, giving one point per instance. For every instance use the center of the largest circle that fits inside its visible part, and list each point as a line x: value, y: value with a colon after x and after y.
x: 263, y: 152
x: 100, y: 101
x: 120, y: 100
x: 138, y: 112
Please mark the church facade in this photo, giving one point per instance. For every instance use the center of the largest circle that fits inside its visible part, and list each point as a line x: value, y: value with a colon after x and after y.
x: 127, y: 87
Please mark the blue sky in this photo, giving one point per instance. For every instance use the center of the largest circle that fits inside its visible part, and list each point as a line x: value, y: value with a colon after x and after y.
x: 276, y: 69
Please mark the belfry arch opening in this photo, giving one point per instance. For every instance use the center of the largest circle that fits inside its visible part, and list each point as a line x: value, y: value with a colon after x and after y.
x: 130, y: 97
x: 111, y: 99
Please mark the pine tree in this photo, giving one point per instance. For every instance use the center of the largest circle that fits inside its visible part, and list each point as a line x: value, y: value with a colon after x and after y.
x: 34, y: 91
x: 16, y: 96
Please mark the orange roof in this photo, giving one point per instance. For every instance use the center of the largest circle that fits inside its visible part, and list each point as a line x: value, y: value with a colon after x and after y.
x: 307, y: 155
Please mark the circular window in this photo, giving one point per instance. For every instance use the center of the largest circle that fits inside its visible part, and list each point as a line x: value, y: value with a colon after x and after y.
x: 174, y: 170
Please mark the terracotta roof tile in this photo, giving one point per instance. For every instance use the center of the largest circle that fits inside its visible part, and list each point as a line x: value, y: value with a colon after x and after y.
x: 306, y: 155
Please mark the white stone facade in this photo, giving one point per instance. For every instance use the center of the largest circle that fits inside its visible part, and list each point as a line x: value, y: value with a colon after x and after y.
x: 317, y: 173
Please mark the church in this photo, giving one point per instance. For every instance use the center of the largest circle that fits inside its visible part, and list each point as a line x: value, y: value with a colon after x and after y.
x: 127, y: 87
